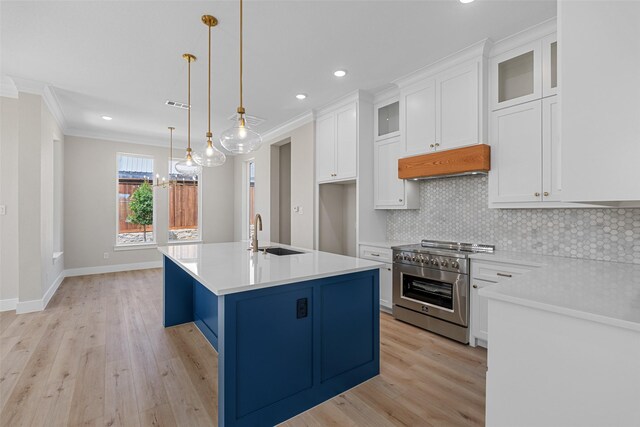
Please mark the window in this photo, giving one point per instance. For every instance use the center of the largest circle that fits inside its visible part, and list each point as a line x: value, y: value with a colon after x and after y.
x: 135, y: 204
x: 184, y: 206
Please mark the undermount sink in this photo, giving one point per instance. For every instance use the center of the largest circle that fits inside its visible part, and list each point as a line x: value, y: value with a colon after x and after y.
x: 276, y: 250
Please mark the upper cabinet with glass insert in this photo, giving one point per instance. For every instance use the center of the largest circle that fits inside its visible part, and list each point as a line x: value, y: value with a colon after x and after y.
x: 524, y: 73
x: 387, y: 119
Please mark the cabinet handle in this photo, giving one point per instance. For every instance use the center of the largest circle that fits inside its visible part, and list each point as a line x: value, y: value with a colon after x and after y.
x: 388, y: 269
x: 504, y: 274
x: 475, y: 286
x: 536, y: 194
x: 372, y: 254
x: 546, y: 194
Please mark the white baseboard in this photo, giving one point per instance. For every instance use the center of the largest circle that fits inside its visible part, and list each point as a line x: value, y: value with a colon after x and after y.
x: 8, y: 304
x: 112, y: 268
x: 29, y: 306
x: 40, y: 304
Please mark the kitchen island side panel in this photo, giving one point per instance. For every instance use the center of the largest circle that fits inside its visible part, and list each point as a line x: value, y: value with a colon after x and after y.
x: 285, y: 349
x: 177, y: 300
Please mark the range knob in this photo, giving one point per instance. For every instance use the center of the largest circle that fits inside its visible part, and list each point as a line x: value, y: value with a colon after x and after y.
x: 398, y: 256
x: 454, y: 264
x: 413, y: 258
x: 434, y: 261
x: 444, y: 263
x: 423, y: 259
x: 406, y: 257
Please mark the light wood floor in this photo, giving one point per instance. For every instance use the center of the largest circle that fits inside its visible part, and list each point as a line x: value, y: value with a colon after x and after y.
x: 98, y: 355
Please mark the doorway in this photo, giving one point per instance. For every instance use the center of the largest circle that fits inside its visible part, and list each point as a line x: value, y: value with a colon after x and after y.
x: 281, y: 192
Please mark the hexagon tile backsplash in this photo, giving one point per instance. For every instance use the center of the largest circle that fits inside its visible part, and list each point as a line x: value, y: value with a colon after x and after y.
x: 457, y: 209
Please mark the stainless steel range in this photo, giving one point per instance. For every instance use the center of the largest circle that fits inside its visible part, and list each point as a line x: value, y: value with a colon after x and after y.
x: 431, y: 286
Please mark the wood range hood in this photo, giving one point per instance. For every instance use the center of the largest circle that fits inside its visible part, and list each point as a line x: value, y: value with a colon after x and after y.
x: 471, y: 160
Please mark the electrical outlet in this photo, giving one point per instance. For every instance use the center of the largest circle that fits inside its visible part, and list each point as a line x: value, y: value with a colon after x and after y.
x: 302, y: 308
x: 106, y: 255
x: 3, y: 210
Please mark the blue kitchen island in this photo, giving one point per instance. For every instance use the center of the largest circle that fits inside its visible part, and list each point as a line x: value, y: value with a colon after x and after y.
x: 291, y: 331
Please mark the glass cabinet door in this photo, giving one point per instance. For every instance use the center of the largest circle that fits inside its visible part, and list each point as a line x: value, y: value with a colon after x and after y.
x: 550, y: 65
x: 516, y: 76
x: 387, y: 120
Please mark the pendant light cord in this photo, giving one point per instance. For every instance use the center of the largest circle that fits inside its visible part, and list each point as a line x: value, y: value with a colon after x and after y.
x: 241, y: 14
x: 209, y: 105
x: 189, y: 102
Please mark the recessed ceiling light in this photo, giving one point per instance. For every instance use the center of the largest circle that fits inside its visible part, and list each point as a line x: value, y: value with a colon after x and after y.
x: 107, y: 118
x: 340, y: 73
x: 301, y: 96
x: 465, y: 1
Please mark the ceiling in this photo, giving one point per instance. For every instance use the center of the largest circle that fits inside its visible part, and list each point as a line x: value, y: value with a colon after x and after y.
x: 123, y: 58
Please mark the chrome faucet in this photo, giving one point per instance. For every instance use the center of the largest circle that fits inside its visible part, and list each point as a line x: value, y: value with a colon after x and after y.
x: 257, y: 226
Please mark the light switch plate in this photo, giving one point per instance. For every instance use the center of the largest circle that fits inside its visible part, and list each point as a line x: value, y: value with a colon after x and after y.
x: 3, y: 209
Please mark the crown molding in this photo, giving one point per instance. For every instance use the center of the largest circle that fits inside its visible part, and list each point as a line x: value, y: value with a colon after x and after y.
x: 8, y: 87
x: 111, y: 137
x: 356, y: 95
x: 286, y: 127
x: 387, y: 94
x: 48, y: 94
x: 476, y: 51
x: 525, y: 36
x: 51, y: 101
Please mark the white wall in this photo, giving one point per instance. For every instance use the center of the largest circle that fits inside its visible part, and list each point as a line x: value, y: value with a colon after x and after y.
x: 90, y: 203
x: 302, y: 186
x: 9, y: 197
x: 28, y: 271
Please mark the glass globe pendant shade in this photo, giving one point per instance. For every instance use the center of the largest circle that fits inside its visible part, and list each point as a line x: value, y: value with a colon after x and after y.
x: 240, y: 139
x: 211, y: 157
x: 188, y: 166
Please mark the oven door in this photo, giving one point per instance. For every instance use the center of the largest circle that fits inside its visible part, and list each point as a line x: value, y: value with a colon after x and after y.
x: 437, y: 293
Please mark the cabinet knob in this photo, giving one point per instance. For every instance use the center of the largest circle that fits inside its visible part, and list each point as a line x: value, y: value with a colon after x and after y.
x: 475, y: 286
x: 431, y: 146
x: 546, y: 194
x: 400, y: 200
x: 536, y: 194
x: 437, y: 144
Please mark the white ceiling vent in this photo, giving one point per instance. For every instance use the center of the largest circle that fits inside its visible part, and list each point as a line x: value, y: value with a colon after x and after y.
x: 252, y: 121
x: 177, y: 104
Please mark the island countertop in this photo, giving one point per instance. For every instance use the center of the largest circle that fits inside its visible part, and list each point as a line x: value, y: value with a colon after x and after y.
x: 227, y: 268
x: 600, y: 291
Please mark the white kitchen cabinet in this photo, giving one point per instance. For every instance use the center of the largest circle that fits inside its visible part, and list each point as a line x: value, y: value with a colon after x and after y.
x: 516, y: 76
x: 479, y: 314
x: 442, y: 111
x: 486, y: 273
x: 381, y: 254
x: 550, y: 65
x: 600, y: 105
x: 387, y: 119
x: 457, y: 107
x: 390, y: 192
x: 516, y: 154
x: 526, y: 155
x: 325, y: 148
x: 418, y: 116
x: 336, y: 144
x: 551, y: 151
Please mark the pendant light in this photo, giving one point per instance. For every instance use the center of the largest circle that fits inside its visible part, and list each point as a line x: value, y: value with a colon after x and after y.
x: 211, y: 156
x: 164, y: 183
x: 240, y: 138
x: 188, y: 166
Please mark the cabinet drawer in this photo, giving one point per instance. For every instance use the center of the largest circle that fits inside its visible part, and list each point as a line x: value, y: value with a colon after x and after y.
x: 376, y: 254
x: 496, y: 272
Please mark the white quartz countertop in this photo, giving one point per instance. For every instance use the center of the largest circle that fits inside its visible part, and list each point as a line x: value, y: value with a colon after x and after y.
x: 227, y: 268
x: 605, y: 292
